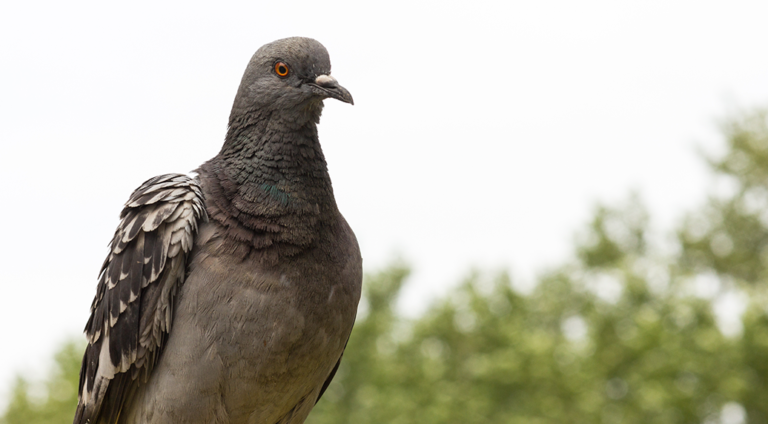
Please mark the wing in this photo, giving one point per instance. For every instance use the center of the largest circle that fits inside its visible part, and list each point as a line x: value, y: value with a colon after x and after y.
x: 332, y: 374
x: 132, y: 312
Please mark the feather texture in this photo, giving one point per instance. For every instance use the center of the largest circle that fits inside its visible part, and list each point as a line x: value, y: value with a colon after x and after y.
x: 132, y: 312
x: 261, y: 301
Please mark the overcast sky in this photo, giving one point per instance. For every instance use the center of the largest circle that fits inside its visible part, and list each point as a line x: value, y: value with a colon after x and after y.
x: 482, y: 132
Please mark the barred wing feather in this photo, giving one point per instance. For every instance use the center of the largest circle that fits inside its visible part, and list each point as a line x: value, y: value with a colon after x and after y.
x: 132, y: 312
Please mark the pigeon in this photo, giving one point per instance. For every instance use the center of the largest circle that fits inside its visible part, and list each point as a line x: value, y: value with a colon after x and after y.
x: 229, y: 296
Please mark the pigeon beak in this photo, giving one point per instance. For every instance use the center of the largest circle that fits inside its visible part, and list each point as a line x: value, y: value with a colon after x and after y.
x: 329, y: 87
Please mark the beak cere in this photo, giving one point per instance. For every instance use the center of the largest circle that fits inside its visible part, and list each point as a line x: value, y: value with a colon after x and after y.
x: 326, y: 81
x: 331, y: 88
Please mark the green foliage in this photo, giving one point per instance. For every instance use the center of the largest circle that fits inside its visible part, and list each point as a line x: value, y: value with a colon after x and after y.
x: 53, y: 400
x: 614, y: 234
x: 562, y: 354
x: 730, y: 235
x: 619, y: 334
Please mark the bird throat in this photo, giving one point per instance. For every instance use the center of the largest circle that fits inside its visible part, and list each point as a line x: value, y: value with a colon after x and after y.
x: 269, y: 187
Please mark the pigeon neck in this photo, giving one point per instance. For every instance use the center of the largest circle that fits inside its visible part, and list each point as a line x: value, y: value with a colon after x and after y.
x: 269, y: 186
x: 277, y: 153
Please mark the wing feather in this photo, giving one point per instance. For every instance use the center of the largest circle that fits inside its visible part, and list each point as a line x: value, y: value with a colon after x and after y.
x: 132, y: 311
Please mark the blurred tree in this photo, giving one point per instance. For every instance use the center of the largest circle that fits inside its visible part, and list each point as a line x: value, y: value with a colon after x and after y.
x: 730, y: 234
x: 623, y: 333
x: 53, y: 400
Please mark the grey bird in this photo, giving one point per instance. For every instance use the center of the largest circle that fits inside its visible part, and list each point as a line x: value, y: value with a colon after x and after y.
x: 229, y: 297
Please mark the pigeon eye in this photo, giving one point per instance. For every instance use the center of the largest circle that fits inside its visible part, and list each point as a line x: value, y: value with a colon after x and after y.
x: 281, y: 69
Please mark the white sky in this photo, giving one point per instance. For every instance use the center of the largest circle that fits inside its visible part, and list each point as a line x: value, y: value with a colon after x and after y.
x: 482, y: 134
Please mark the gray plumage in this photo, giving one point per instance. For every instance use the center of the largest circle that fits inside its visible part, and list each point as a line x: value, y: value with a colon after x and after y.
x: 229, y: 297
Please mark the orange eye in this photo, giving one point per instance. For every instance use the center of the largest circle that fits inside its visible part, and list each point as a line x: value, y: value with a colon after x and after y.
x: 281, y: 69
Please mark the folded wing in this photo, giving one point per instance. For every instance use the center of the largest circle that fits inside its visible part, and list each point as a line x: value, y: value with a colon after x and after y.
x: 132, y: 312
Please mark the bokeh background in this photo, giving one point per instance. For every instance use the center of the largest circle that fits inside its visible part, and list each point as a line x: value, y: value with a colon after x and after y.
x: 561, y: 205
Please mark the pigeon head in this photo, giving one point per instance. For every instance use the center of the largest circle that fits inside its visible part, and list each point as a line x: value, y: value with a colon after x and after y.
x: 291, y: 75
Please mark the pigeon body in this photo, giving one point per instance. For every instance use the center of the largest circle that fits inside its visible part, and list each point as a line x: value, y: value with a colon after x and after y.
x: 229, y: 298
